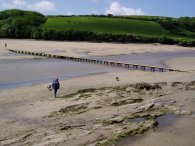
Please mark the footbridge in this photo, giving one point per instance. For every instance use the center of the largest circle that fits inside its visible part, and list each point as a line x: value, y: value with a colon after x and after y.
x: 102, y: 62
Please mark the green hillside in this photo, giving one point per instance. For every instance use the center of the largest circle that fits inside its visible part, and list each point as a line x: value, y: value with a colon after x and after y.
x: 106, y: 25
x: 136, y: 25
x: 98, y: 28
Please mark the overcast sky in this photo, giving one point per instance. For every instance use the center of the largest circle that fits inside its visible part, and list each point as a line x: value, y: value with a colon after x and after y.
x: 172, y: 8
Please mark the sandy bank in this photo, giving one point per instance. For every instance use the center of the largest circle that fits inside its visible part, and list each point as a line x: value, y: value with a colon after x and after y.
x: 86, y: 48
x: 94, y: 116
x: 186, y: 63
x: 29, y: 115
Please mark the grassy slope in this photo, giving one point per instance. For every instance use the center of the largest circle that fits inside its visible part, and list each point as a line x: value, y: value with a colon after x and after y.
x: 106, y: 25
x: 111, y: 25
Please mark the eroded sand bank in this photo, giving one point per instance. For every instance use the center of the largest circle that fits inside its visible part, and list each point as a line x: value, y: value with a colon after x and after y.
x: 31, y: 116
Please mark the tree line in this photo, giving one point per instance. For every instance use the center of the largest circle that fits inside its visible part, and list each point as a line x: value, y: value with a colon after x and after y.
x: 175, y: 26
x: 73, y: 35
x: 19, y: 24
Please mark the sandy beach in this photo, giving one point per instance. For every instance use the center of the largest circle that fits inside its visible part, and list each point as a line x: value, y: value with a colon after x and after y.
x: 106, y: 112
x: 82, y: 49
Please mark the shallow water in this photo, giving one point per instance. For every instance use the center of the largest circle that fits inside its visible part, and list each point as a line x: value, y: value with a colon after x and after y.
x: 154, y: 59
x: 23, y: 72
x: 163, y: 122
x: 166, y: 120
x: 140, y: 119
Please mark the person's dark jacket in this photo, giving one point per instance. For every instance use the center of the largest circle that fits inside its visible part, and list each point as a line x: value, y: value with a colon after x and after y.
x: 55, y: 84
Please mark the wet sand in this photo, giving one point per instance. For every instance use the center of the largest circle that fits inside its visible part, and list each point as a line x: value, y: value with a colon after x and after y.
x: 31, y: 116
x: 185, y: 63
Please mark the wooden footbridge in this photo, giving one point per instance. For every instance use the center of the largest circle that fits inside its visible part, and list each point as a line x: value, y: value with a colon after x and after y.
x: 102, y: 62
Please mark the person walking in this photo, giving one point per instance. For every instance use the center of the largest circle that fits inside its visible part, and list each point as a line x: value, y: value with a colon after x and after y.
x: 55, y: 86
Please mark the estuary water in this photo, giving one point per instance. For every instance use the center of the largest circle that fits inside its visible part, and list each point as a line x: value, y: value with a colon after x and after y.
x: 23, y: 72
x: 153, y: 59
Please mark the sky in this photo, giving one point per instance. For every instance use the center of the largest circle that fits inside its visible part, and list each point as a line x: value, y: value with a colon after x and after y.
x: 170, y: 8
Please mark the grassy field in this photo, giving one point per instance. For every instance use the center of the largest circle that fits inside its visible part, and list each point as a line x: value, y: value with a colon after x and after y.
x: 135, y: 25
x: 106, y: 25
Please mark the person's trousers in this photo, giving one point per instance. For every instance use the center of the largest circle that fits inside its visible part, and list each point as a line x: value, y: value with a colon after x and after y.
x: 55, y: 93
